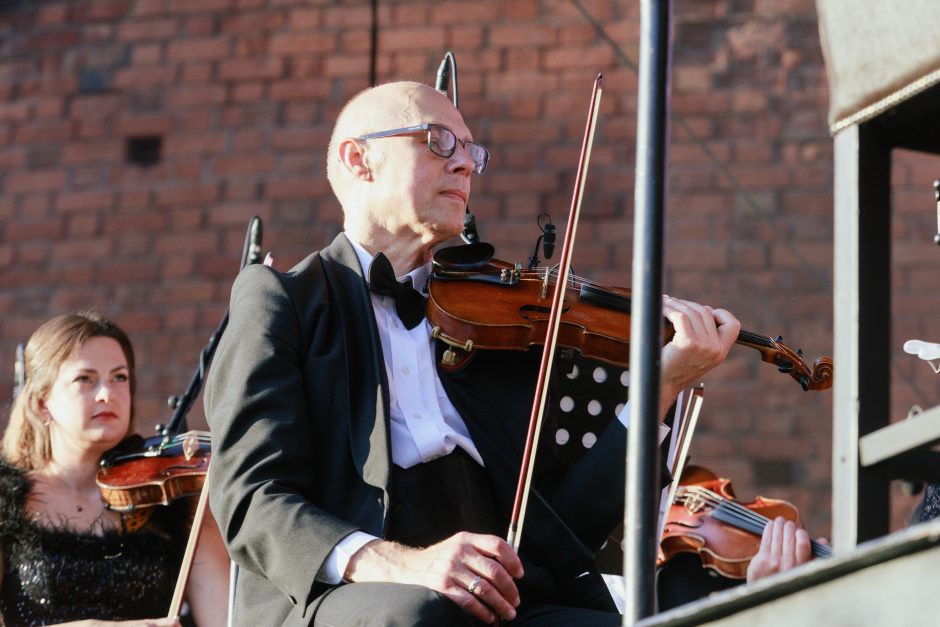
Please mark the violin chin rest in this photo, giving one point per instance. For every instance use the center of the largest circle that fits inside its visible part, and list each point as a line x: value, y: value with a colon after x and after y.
x: 462, y: 258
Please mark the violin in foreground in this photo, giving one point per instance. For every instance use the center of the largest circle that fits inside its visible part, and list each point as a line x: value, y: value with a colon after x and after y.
x: 477, y: 302
x: 726, y: 534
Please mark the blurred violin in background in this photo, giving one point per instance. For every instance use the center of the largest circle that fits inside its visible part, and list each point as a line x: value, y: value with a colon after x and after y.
x: 143, y: 473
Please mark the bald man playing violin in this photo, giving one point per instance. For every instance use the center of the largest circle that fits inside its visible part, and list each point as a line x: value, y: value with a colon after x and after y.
x: 357, y: 483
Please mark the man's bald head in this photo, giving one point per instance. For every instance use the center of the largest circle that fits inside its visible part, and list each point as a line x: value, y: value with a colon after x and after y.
x: 388, y: 106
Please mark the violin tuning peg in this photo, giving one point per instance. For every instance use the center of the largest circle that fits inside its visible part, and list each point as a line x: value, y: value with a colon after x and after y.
x: 173, y: 402
x: 804, y: 382
x: 799, y: 352
x: 779, y: 338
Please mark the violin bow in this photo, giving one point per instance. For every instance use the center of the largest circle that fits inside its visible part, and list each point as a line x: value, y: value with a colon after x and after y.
x: 524, y: 485
x: 687, y: 413
x: 186, y: 567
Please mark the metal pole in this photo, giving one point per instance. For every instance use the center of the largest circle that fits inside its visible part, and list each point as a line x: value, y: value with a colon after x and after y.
x: 642, y: 482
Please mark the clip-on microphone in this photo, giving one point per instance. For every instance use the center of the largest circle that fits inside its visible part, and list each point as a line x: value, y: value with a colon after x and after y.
x: 546, y: 239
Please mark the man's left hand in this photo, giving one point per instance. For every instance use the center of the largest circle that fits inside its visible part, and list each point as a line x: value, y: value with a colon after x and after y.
x: 783, y: 545
x: 703, y: 336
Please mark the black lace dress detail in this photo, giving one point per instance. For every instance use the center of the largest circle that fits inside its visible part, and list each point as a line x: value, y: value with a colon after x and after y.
x: 55, y: 574
x: 929, y: 507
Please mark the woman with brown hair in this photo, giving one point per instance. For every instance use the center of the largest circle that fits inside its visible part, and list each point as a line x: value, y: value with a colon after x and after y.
x: 63, y: 555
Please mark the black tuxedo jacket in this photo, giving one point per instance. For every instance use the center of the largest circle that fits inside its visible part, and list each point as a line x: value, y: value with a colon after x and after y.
x: 297, y: 402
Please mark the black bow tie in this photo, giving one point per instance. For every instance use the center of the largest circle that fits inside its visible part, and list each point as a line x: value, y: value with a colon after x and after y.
x: 409, y: 303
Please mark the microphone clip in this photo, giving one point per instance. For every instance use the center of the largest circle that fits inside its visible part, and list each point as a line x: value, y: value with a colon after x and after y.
x: 546, y: 240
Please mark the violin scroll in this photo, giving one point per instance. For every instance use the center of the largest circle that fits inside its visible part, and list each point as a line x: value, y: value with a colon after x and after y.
x: 790, y: 362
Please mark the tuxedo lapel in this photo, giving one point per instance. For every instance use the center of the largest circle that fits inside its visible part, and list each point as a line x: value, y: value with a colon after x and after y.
x: 368, y: 396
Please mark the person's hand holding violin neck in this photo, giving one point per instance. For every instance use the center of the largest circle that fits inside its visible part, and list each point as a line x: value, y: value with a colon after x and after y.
x: 783, y: 545
x: 701, y: 340
x: 474, y: 571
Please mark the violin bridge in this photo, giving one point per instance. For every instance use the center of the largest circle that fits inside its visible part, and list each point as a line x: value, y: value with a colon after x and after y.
x: 695, y: 502
x: 544, y: 292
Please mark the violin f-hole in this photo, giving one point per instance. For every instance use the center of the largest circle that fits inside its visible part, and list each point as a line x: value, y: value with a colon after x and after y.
x: 527, y: 310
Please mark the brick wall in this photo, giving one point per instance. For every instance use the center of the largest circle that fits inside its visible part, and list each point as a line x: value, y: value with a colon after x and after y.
x: 241, y: 95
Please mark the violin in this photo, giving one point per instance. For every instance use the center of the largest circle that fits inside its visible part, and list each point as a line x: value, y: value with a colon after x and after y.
x: 477, y: 302
x: 726, y: 534
x: 141, y: 473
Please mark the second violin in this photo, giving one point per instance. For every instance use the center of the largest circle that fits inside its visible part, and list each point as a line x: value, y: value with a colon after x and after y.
x: 705, y: 519
x: 142, y: 473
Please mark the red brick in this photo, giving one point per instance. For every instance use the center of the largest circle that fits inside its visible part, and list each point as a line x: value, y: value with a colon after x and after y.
x: 423, y: 38
x: 83, y: 225
x: 253, y: 22
x: 147, y: 30
x: 596, y: 58
x: 519, y: 9
x: 251, y: 69
x: 302, y: 43
x: 346, y: 16
x: 135, y: 78
x: 194, y: 96
x: 32, y: 229
x: 99, y: 10
x: 83, y: 152
x: 188, y: 6
x: 40, y: 180
x: 463, y: 12
x: 14, y: 111
x: 305, y: 89
x: 53, y: 14
x: 301, y: 19
x: 199, y: 194
x: 12, y: 159
x: 178, y: 144
x: 346, y: 65
x: 200, y: 25
x: 147, y: 54
x: 236, y: 214
x: 198, y: 49
x: 194, y: 242
x: 302, y: 188
x: 237, y: 165
x: 49, y: 132
x: 85, y: 201
x: 522, y: 35
x: 150, y: 124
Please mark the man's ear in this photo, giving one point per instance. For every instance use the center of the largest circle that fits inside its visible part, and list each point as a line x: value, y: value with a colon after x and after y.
x: 353, y: 157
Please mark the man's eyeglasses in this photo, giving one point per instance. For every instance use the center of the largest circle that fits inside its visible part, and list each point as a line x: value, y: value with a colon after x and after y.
x: 441, y: 141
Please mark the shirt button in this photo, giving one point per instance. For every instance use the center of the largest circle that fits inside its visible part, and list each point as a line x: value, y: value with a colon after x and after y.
x: 405, y: 370
x: 417, y: 416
